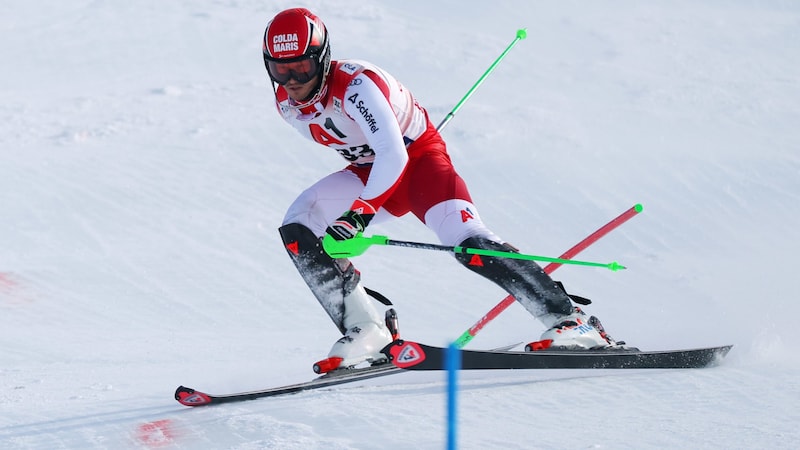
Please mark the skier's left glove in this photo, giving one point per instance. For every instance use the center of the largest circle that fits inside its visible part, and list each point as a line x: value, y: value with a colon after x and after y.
x: 352, y: 222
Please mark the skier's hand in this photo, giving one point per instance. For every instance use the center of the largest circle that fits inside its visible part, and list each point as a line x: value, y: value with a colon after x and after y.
x: 352, y: 222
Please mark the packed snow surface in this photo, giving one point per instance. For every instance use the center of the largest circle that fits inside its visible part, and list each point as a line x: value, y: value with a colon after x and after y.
x: 144, y: 172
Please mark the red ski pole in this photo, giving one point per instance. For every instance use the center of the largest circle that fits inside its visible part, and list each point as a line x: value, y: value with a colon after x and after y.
x: 468, y: 335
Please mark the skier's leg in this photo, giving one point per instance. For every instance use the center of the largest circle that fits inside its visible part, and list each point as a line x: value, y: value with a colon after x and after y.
x: 458, y: 223
x: 445, y: 206
x: 334, y: 282
x: 567, y: 326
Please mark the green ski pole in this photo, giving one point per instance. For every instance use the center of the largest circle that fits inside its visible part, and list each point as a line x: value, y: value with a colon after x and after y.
x: 360, y: 243
x: 521, y: 34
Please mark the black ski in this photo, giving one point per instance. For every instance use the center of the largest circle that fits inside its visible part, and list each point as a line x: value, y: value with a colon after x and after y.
x: 416, y: 356
x: 190, y: 397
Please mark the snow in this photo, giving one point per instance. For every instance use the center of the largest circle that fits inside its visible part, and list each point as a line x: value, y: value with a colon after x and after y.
x: 145, y: 172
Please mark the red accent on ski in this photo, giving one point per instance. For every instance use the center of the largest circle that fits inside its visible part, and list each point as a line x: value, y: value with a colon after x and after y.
x: 293, y: 247
x: 476, y: 261
x: 327, y: 364
x: 406, y: 354
x: 539, y: 345
x: 190, y: 397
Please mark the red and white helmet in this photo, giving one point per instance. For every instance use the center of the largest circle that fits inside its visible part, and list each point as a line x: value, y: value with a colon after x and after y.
x: 296, y: 46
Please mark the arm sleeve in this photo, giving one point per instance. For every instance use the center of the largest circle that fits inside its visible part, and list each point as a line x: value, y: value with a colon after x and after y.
x: 367, y: 103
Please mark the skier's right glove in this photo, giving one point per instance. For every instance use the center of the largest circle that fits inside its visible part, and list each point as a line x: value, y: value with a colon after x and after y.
x: 352, y: 222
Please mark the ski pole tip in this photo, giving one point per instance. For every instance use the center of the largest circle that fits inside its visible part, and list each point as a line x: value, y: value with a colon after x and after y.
x: 638, y: 207
x: 522, y: 33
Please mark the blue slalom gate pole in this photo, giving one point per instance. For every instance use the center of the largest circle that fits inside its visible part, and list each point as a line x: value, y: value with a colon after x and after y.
x: 453, y: 365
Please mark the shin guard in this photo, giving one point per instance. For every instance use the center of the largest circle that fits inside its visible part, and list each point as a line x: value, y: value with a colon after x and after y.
x: 330, y: 280
x: 525, y: 280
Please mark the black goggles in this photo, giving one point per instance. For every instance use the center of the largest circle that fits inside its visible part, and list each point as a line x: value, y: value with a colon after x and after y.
x: 303, y: 69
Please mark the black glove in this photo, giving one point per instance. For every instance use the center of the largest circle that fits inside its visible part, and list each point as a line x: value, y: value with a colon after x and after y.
x: 352, y: 222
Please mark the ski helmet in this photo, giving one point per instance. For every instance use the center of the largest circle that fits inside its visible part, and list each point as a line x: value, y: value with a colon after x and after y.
x: 296, y: 46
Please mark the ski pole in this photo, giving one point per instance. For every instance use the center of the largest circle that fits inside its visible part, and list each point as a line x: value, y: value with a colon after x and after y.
x: 470, y: 333
x: 359, y: 244
x: 521, y: 34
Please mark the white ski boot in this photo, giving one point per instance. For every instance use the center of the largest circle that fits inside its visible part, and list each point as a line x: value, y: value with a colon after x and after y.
x: 367, y: 333
x: 575, y: 331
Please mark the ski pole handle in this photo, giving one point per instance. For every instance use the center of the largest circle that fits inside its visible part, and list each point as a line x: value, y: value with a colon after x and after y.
x: 349, y: 248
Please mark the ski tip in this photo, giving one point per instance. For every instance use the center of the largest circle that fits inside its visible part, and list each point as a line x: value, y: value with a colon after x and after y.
x: 189, y: 397
x: 723, y: 350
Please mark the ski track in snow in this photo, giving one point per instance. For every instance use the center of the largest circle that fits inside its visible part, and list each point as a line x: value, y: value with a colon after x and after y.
x: 145, y: 172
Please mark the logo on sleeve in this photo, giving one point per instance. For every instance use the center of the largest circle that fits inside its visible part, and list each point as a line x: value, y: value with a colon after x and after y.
x: 348, y: 68
x: 364, y: 110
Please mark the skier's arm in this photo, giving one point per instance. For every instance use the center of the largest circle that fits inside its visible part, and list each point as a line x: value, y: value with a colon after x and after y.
x: 367, y: 102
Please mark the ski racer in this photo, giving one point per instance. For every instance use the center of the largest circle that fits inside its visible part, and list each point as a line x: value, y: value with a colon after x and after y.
x: 397, y: 163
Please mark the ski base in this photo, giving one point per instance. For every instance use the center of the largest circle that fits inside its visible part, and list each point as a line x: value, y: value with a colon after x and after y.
x: 416, y: 356
x: 191, y: 397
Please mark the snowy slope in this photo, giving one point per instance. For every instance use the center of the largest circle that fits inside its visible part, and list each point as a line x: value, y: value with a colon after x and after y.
x: 144, y: 174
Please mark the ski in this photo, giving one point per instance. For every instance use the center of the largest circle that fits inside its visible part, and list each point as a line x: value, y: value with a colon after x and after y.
x: 191, y: 397
x: 409, y: 355
x: 416, y: 356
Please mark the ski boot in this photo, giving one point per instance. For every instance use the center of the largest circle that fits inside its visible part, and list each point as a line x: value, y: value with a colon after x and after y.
x: 575, y: 331
x: 337, y: 286
x: 364, y: 337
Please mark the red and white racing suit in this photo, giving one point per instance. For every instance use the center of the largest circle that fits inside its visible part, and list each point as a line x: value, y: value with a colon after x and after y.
x: 397, y: 161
